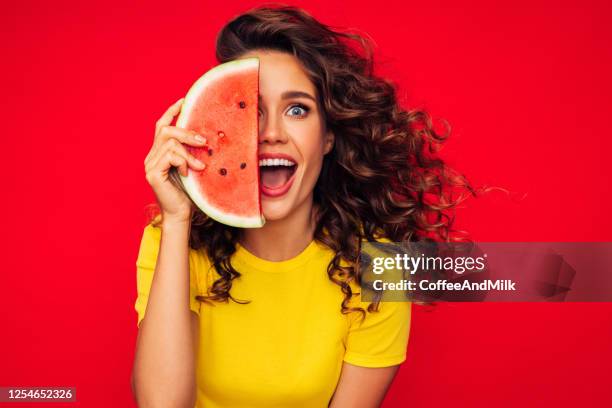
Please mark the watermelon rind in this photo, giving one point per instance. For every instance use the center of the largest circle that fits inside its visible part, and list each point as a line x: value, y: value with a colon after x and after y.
x: 189, y: 183
x: 212, y: 211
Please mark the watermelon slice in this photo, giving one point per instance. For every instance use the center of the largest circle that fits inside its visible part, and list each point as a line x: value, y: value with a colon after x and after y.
x: 222, y: 107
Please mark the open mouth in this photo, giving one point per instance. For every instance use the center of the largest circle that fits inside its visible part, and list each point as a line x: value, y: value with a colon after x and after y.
x: 276, y: 176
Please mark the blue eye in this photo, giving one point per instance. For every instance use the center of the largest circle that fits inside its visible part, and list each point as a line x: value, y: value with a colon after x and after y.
x: 298, y: 110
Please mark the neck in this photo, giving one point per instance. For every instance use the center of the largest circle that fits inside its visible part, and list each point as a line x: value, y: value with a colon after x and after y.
x: 283, y: 239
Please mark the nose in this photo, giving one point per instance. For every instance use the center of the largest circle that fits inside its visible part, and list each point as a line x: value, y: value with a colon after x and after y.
x: 270, y: 130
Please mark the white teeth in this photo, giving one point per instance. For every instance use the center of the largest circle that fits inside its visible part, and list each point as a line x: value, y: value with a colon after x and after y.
x: 276, y: 162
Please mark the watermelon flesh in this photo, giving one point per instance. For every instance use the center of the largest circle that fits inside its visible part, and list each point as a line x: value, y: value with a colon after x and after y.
x: 222, y: 106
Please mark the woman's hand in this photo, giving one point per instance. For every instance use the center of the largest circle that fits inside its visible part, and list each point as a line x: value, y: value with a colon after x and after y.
x: 168, y: 152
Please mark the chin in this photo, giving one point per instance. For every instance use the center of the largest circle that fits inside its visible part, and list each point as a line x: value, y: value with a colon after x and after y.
x: 278, y: 208
x: 274, y: 211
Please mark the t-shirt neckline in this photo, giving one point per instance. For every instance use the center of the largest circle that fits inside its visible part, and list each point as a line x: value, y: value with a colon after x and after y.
x: 246, y: 258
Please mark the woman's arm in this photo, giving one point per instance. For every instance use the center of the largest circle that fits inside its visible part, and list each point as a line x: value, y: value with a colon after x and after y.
x: 164, y: 364
x: 362, y: 387
x: 165, y: 359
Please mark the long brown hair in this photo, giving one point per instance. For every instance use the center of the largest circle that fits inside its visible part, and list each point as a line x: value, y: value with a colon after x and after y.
x: 383, y: 176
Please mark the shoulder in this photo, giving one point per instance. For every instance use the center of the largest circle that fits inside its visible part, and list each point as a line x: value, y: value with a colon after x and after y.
x: 149, y: 246
x: 149, y: 250
x: 381, y: 338
x: 151, y: 235
x: 369, y: 250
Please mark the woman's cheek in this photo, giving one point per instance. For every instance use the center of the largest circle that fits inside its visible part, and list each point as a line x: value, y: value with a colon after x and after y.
x: 314, y: 169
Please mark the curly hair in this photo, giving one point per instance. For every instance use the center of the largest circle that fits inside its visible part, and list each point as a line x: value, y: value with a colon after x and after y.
x: 383, y: 176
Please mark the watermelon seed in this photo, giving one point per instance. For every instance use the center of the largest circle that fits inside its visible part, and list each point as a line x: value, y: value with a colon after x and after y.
x: 210, y: 152
x: 242, y: 165
x: 223, y: 172
x: 221, y: 134
x: 242, y: 105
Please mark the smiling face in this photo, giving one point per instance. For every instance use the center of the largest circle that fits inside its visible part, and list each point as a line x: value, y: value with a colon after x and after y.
x: 292, y: 134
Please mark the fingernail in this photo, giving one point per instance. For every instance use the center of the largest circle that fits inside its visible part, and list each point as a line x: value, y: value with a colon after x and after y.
x: 200, y: 139
x: 199, y: 163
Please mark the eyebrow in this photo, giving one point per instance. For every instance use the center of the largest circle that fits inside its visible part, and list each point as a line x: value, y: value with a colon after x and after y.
x: 296, y: 94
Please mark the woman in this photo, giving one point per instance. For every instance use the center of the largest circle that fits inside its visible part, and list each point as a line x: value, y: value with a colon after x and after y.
x: 277, y: 319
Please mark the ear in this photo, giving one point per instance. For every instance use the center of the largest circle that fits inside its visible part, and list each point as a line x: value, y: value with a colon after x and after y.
x: 329, y: 141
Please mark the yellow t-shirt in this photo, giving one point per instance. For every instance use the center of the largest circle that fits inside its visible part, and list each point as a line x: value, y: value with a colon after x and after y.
x: 286, y: 347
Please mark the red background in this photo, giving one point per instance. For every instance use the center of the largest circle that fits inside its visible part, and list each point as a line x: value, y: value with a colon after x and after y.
x: 526, y: 87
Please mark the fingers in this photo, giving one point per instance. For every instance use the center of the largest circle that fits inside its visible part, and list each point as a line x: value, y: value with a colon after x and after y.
x: 163, y: 130
x: 189, y: 159
x: 172, y: 153
x: 168, y: 149
x: 182, y: 160
x: 159, y: 170
x: 178, y: 162
x: 170, y: 113
x: 184, y: 136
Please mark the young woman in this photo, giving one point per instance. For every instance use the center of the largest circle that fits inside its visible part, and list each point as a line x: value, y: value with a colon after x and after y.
x: 272, y: 317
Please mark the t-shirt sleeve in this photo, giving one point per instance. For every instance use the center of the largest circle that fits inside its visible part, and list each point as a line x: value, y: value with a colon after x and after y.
x: 381, y: 339
x: 145, y: 269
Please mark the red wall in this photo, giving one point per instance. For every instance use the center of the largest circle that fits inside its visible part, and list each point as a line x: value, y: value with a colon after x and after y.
x: 526, y: 87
